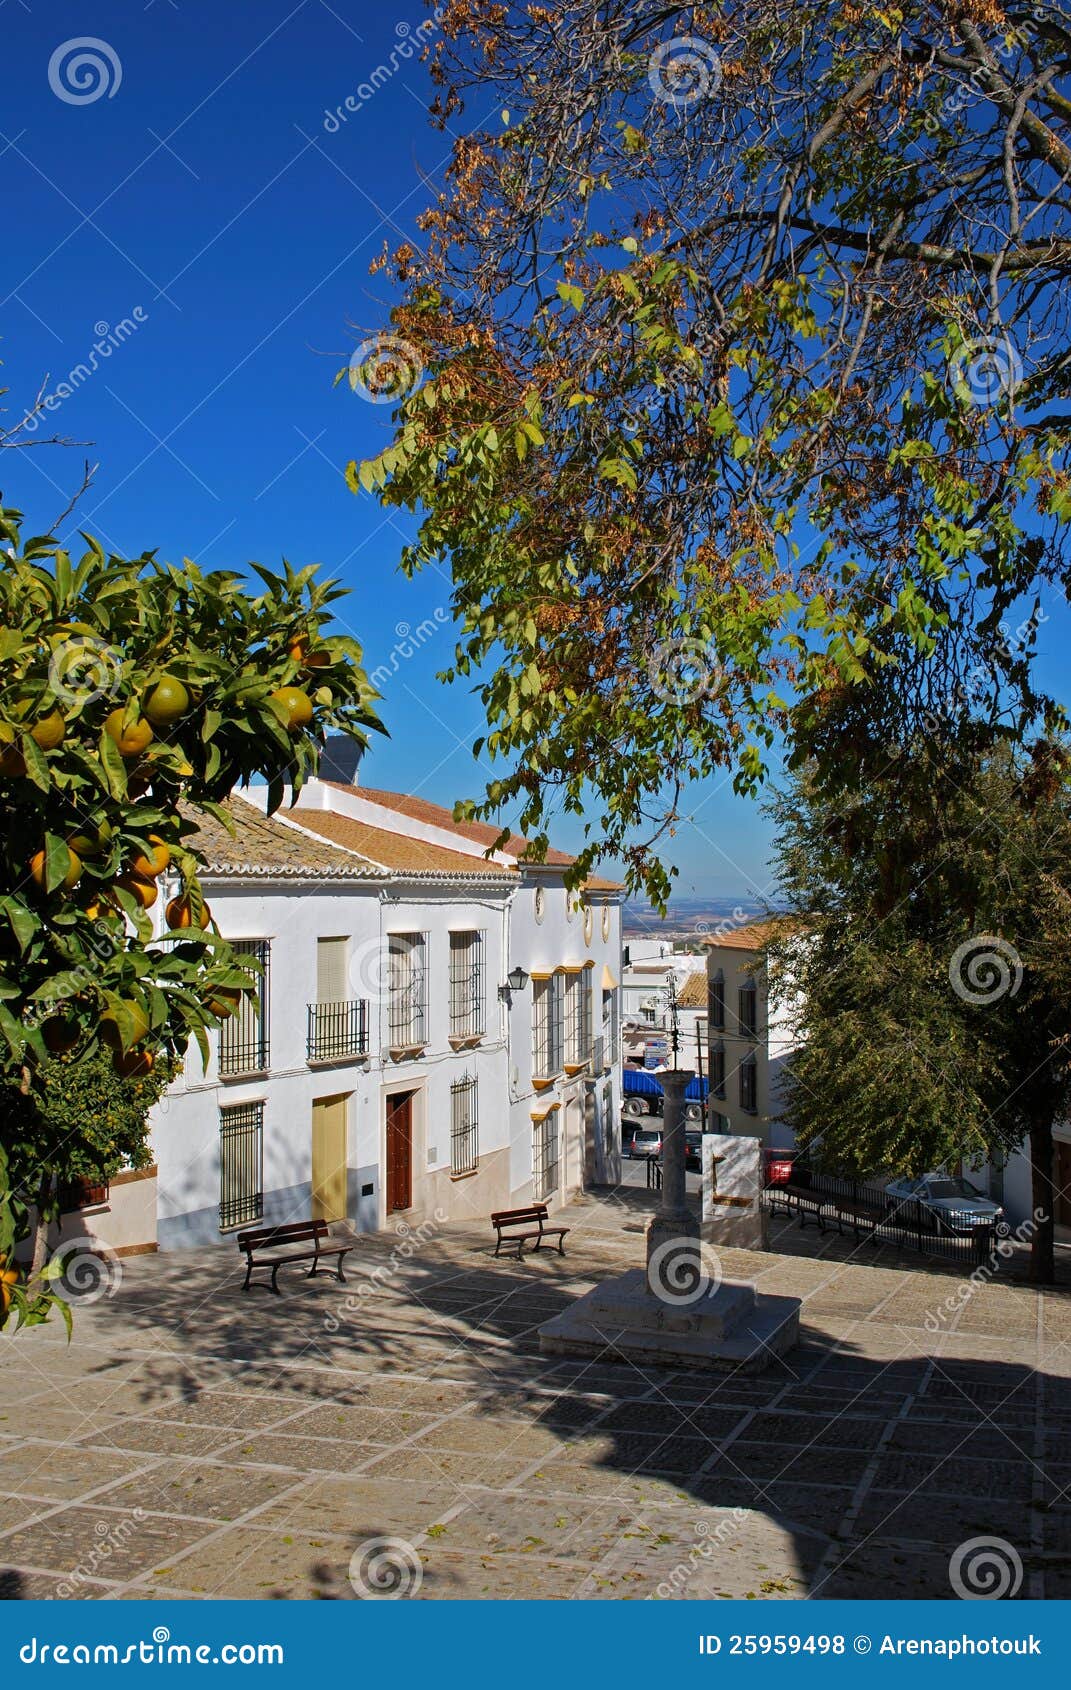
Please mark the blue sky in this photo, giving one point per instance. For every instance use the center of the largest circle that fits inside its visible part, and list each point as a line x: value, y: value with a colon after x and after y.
x: 201, y: 197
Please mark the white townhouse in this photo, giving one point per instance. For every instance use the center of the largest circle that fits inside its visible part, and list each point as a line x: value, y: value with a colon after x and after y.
x: 750, y: 1037
x: 751, y: 1040
x: 437, y: 1033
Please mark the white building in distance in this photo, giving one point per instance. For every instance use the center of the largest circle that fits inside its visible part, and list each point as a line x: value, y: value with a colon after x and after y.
x: 390, y: 1071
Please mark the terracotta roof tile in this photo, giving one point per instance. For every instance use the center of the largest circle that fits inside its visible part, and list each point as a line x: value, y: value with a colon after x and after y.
x: 436, y: 815
x: 399, y: 851
x: 755, y: 937
x: 693, y: 994
x: 268, y: 846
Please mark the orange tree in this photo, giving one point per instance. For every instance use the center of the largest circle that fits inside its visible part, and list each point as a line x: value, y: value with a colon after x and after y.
x: 133, y: 695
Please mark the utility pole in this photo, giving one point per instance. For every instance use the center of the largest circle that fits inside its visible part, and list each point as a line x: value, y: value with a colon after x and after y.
x: 674, y: 1022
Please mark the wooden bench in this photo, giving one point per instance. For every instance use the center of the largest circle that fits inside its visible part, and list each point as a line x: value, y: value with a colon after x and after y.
x: 532, y: 1221
x: 798, y: 1200
x: 304, y: 1241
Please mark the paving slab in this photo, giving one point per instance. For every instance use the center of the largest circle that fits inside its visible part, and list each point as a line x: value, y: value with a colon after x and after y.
x: 221, y: 1447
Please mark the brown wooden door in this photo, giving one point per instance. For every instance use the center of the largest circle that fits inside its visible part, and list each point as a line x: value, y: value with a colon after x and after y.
x: 399, y: 1151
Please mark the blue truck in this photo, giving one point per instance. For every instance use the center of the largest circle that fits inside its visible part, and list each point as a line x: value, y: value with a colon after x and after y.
x: 641, y: 1094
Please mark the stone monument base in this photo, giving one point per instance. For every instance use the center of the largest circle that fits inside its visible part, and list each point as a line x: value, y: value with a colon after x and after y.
x: 730, y: 1326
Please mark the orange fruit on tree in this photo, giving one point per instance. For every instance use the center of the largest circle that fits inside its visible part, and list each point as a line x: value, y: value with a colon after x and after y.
x: 49, y: 731
x: 296, y: 706
x: 318, y: 659
x: 145, y: 891
x: 99, y: 905
x: 223, y: 1001
x: 12, y: 762
x: 179, y: 913
x: 147, y: 865
x: 167, y: 703
x: 133, y: 1064
x: 298, y: 648
x: 87, y: 844
x: 60, y: 1035
x: 109, y: 1025
x: 132, y: 740
x: 70, y: 879
x: 9, y: 1276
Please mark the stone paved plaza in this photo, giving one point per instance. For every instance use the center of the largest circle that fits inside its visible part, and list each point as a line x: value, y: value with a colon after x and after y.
x: 195, y: 1441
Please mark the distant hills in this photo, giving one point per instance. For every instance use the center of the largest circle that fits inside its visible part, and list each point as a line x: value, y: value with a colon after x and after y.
x: 687, y: 917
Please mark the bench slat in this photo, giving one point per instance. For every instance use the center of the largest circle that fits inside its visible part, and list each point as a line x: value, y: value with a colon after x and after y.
x: 294, y: 1233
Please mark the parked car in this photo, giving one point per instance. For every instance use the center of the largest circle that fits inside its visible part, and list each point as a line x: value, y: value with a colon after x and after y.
x: 693, y: 1151
x: 641, y: 1142
x: 779, y: 1166
x: 953, y: 1201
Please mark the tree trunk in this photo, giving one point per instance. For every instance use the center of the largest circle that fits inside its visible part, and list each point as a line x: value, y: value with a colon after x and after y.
x: 40, y: 1236
x: 1042, y: 1245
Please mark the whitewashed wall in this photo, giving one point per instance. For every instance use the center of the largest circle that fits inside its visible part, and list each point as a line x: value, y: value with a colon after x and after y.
x: 293, y: 916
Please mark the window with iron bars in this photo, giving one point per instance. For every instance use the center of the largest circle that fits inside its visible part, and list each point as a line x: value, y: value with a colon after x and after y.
x: 241, y: 1164
x: 748, y: 1085
x: 545, y: 1157
x: 749, y: 1010
x: 467, y: 1020
x: 244, y: 1036
x: 548, y: 1005
x: 577, y: 1019
x: 716, y: 1000
x: 464, y: 1126
x: 336, y: 1030
x: 407, y: 1004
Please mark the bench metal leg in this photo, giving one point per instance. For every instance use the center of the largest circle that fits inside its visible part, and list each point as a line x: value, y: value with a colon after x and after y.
x: 248, y: 1271
x: 340, y: 1276
x: 275, y: 1279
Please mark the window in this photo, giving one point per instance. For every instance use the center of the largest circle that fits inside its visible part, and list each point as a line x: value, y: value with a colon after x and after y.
x: 407, y: 1006
x: 338, y: 1024
x: 241, y: 1164
x: 749, y: 1010
x: 717, y: 1069
x: 549, y: 1028
x: 577, y: 1019
x: 83, y: 1192
x: 747, y: 1085
x: 545, y: 1157
x: 464, y: 1126
x: 243, y: 1037
x: 466, y: 986
x: 610, y: 1026
x: 716, y: 1000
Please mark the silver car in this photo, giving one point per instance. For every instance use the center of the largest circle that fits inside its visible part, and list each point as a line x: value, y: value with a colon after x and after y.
x: 953, y: 1201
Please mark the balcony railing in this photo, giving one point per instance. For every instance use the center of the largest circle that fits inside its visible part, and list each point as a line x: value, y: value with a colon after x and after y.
x: 337, y: 1030
x: 600, y: 1056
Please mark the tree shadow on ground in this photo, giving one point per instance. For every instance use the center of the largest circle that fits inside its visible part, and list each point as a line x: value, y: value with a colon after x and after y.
x: 840, y: 1473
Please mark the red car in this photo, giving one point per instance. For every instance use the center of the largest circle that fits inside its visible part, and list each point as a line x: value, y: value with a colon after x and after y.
x: 778, y: 1166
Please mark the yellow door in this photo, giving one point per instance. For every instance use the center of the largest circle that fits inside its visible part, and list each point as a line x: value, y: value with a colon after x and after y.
x: 329, y: 1158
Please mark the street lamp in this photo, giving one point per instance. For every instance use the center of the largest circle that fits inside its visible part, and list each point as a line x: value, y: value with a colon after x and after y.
x: 516, y: 981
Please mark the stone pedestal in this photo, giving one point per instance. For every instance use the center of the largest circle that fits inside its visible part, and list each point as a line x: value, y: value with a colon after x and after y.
x: 677, y: 1312
x: 727, y: 1326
